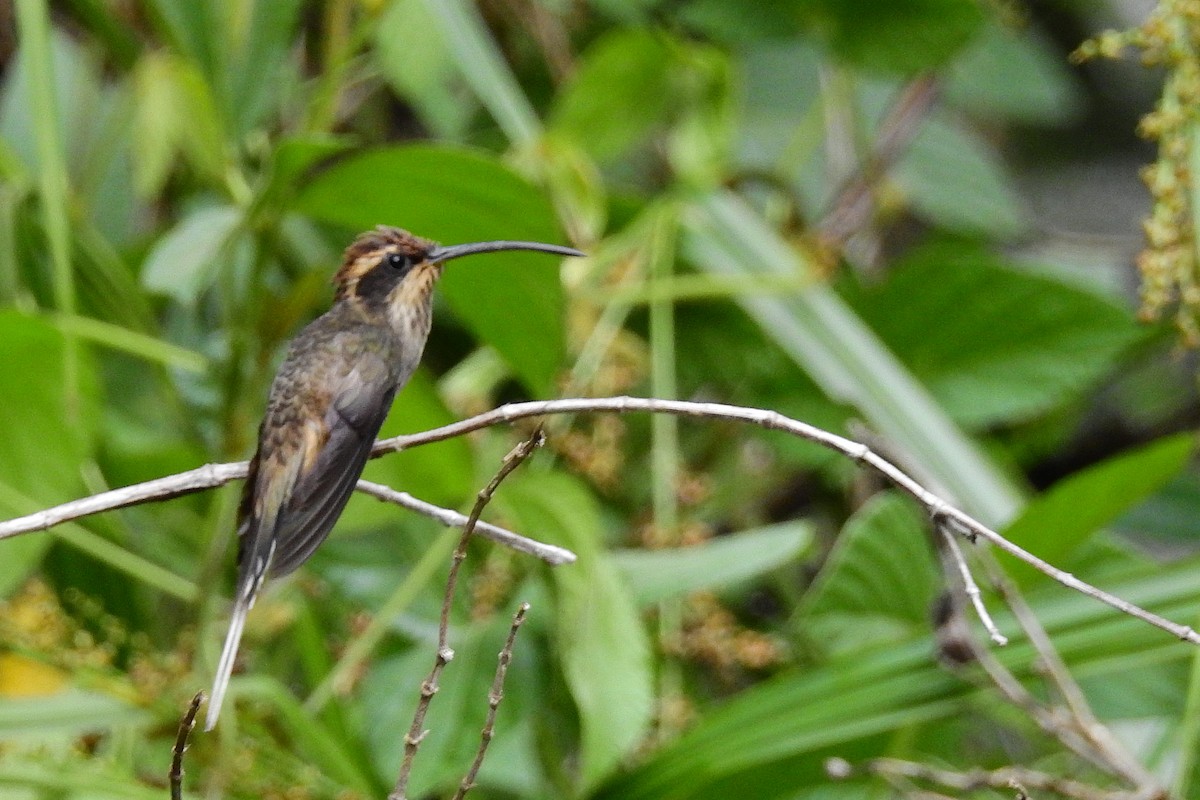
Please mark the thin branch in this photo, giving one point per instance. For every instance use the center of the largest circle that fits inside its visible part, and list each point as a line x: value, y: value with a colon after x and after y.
x: 175, y: 775
x: 416, y: 732
x: 970, y: 588
x: 853, y: 204
x: 770, y: 420
x: 210, y: 476
x: 551, y: 554
x: 494, y: 697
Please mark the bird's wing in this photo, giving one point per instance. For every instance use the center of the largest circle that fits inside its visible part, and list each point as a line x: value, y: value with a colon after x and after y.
x: 332, y: 459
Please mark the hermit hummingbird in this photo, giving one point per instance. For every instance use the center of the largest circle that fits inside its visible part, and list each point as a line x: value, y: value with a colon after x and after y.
x: 327, y: 403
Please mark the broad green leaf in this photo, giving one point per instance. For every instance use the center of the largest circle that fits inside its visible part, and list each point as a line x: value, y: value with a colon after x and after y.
x: 1058, y: 522
x: 602, y: 643
x: 901, y: 36
x: 895, y: 36
x: 955, y: 180
x: 656, y: 575
x: 1014, y: 75
x: 993, y: 344
x: 621, y: 91
x: 882, y: 568
x: 46, y: 441
x: 513, y: 301
x: 184, y: 262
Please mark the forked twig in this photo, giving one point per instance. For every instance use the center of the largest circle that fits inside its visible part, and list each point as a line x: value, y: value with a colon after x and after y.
x: 175, y: 775
x: 494, y: 697
x: 417, y: 732
x: 970, y: 587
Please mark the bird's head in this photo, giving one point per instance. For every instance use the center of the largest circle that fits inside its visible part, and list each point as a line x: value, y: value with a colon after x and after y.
x: 389, y: 270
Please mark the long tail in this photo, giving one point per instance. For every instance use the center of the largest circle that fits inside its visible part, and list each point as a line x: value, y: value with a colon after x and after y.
x: 237, y: 621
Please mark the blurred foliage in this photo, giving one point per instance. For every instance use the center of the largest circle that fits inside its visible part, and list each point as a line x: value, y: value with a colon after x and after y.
x: 177, y: 179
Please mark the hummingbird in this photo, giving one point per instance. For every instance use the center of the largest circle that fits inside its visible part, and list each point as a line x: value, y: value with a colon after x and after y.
x: 327, y: 404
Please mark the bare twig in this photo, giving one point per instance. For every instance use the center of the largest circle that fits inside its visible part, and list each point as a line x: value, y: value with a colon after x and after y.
x: 416, y: 732
x: 1018, y: 779
x: 551, y: 554
x: 211, y: 476
x: 853, y: 203
x: 970, y: 588
x: 175, y: 775
x: 770, y: 420
x: 494, y: 697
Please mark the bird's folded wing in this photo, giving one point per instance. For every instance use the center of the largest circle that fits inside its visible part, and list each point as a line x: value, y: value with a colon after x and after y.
x: 331, y: 466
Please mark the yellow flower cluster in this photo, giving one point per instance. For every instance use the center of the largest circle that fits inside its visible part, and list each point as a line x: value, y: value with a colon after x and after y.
x: 1169, y: 38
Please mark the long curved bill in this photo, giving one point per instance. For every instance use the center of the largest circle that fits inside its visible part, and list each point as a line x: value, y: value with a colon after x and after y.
x: 442, y: 254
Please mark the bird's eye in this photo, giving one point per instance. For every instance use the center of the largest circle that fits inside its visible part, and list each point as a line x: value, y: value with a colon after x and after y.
x: 398, y: 261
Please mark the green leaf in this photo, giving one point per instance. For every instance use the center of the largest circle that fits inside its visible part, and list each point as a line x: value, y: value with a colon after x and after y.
x: 903, y: 36
x: 1016, y: 76
x: 196, y: 31
x: 1075, y: 508
x: 602, y: 643
x: 483, y: 67
x: 882, y: 568
x: 992, y: 343
x: 620, y: 92
x: 656, y: 575
x: 267, y: 38
x: 513, y: 301
x: 72, y: 712
x: 184, y: 263
x: 46, y: 440
x: 956, y: 181
x: 414, y: 58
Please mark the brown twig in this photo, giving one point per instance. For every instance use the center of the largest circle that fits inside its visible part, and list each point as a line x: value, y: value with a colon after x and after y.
x: 175, y: 775
x: 417, y: 732
x: 853, y: 203
x: 494, y: 697
x: 771, y: 420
